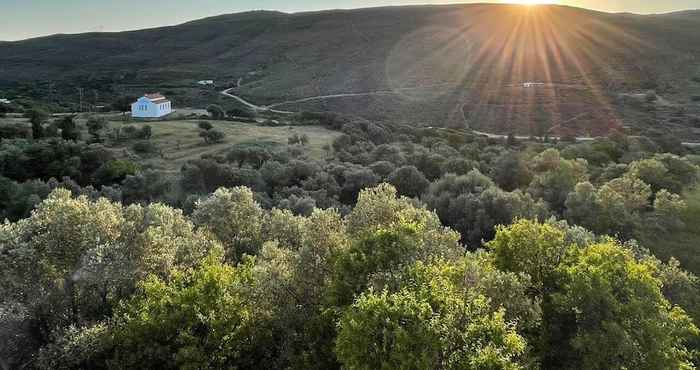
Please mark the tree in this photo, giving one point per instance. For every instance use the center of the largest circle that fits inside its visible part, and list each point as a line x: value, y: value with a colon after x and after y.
x: 37, y: 117
x: 426, y: 325
x: 510, y: 172
x: 212, y: 136
x: 610, y: 313
x: 202, y: 318
x: 145, y: 132
x: 530, y: 247
x: 408, y: 181
x: 297, y: 139
x: 115, y: 171
x: 555, y: 178
x: 123, y: 103
x: 95, y: 125
x: 216, y: 112
x: 235, y: 218
x: 474, y: 206
x: 239, y: 112
x: 205, y: 125
x: 69, y: 130
x: 73, y: 260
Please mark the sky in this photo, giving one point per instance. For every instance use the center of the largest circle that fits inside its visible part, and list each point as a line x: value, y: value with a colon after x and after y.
x: 20, y: 19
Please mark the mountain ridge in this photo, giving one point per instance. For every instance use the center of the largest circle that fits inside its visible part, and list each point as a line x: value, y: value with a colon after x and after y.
x: 479, y: 51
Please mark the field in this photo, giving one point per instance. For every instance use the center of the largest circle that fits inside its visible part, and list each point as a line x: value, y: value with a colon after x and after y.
x: 179, y: 141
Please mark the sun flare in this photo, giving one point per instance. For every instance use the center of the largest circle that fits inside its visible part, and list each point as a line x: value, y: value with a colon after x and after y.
x: 534, y: 2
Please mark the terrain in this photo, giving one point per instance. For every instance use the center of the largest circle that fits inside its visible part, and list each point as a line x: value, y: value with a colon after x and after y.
x: 460, y: 66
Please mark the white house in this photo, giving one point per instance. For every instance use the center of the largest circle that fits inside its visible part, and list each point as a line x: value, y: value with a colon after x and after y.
x: 206, y: 82
x: 528, y: 85
x: 151, y: 106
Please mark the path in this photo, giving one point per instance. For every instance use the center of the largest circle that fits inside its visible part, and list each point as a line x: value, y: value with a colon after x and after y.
x: 579, y: 139
x: 268, y: 108
x: 251, y: 105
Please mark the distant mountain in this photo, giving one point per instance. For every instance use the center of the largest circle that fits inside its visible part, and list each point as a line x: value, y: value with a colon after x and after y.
x: 435, y: 65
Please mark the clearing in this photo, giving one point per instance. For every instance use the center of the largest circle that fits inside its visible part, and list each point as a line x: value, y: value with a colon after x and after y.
x: 179, y: 141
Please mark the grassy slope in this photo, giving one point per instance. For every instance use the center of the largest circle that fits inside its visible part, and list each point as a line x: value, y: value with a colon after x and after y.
x: 180, y: 140
x: 684, y: 245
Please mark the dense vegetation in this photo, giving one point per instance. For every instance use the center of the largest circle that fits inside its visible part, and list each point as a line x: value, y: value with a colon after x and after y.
x: 400, y: 248
x: 395, y: 238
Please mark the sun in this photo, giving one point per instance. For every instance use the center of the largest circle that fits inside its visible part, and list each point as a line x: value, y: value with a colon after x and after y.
x: 534, y: 2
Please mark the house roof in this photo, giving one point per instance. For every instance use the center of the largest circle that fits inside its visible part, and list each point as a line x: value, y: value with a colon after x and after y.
x: 156, y: 98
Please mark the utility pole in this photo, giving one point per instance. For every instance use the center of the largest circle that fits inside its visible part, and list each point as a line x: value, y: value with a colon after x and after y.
x: 80, y: 91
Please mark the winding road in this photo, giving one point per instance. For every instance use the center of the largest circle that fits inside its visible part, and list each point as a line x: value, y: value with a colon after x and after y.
x: 269, y: 108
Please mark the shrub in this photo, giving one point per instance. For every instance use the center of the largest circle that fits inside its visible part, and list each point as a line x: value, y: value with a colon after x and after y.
x: 145, y: 147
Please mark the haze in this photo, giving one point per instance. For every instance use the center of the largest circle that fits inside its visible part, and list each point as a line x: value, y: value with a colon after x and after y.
x: 31, y: 18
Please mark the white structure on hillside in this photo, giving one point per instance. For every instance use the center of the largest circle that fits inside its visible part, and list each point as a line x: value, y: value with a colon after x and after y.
x: 5, y: 101
x: 528, y: 85
x: 151, y: 106
x: 206, y: 82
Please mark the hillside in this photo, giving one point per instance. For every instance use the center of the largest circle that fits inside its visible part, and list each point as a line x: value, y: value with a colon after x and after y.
x: 457, y: 65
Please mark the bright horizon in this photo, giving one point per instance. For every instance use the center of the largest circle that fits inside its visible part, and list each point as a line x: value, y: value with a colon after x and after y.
x: 34, y: 18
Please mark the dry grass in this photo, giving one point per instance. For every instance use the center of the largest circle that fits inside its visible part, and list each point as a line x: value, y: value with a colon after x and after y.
x: 179, y: 141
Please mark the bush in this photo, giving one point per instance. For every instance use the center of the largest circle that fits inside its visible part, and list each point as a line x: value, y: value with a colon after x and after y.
x: 238, y: 112
x: 216, y: 112
x: 145, y: 147
x: 212, y: 136
x: 115, y: 171
x: 145, y: 132
x: 204, y: 125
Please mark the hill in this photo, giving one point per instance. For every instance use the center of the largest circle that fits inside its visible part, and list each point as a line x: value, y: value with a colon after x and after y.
x: 454, y: 65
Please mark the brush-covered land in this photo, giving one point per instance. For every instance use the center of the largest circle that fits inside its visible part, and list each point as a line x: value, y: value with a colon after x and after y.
x: 365, y: 215
x: 325, y: 241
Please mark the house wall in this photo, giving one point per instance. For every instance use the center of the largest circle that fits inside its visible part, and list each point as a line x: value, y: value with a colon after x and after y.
x: 144, y: 108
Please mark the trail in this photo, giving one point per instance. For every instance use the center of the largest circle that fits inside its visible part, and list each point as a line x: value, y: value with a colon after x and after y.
x: 580, y: 139
x: 251, y: 105
x: 268, y: 108
x: 396, y: 91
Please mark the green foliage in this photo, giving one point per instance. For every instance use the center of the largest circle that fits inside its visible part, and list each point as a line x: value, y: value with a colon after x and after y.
x: 555, y: 177
x: 408, y: 181
x: 530, y: 247
x: 234, y: 217
x: 474, y: 206
x: 115, y: 171
x: 37, y: 118
x: 212, y: 136
x: 427, y: 324
x: 216, y: 112
x: 204, y: 125
x: 69, y: 130
x: 85, y: 256
x: 611, y: 312
x: 202, y: 318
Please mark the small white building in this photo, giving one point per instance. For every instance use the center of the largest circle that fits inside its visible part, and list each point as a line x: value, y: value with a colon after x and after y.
x: 206, y: 82
x: 528, y: 85
x: 151, y: 106
x: 5, y: 101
